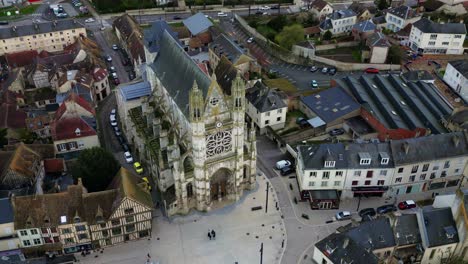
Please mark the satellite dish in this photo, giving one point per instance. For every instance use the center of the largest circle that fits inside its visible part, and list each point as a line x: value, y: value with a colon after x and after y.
x: 8, y: 13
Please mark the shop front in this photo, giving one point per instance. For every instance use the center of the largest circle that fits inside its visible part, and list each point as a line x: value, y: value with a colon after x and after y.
x: 369, y: 191
x: 77, y: 248
x: 324, y: 199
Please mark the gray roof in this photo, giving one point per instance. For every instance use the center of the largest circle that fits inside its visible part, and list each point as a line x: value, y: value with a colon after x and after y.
x: 421, y: 75
x: 372, y: 235
x: 314, y: 156
x: 427, y: 26
x: 223, y: 45
x: 264, y: 99
x: 377, y: 39
x: 197, y: 23
x: 340, y: 249
x: 406, y: 230
x: 379, y: 20
x: 340, y: 14
x: 326, y: 24
x: 153, y: 35
x: 374, y: 151
x: 364, y: 26
x: 403, y: 12
x: 331, y: 104
x: 39, y: 28
x: 400, y: 104
x: 461, y: 66
x: 178, y: 72
x: 414, y: 150
x: 136, y: 90
x: 7, y: 215
x: 440, y: 228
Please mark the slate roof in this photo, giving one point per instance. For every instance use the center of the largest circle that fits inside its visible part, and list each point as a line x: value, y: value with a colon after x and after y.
x: 264, y: 99
x: 38, y: 28
x: 405, y: 32
x: 377, y: 39
x: 224, y: 46
x: 379, y: 20
x: 197, y: 23
x: 225, y: 73
x: 428, y: 26
x: 127, y: 184
x: 399, y: 104
x: 153, y: 35
x: 7, y: 215
x: 406, y: 230
x: 76, y: 89
x: 314, y: 156
x: 372, y: 235
x: 438, y: 225
x: 375, y: 151
x: 130, y: 91
x: 360, y: 8
x: 424, y: 148
x: 461, y: 66
x: 339, y: 248
x: 340, y: 14
x: 10, y: 115
x: 132, y: 35
x: 421, y: 75
x: 404, y: 12
x: 178, y: 72
x: 331, y: 104
x: 364, y: 26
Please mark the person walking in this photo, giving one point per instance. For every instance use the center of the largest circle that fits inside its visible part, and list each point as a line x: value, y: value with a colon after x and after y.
x: 209, y: 234
x: 213, y: 234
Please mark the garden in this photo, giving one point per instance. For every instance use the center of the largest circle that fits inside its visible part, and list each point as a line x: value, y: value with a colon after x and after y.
x: 112, y: 6
x: 22, y: 10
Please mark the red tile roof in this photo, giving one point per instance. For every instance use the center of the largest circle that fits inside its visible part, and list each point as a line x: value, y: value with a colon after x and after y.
x: 67, y: 126
x: 75, y: 98
x: 319, y: 4
x: 311, y: 30
x: 20, y: 59
x: 100, y: 74
x: 54, y: 165
x: 10, y: 115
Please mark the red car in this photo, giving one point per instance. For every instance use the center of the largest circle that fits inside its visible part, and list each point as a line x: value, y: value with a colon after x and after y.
x: 116, y: 81
x: 407, y: 205
x: 372, y: 70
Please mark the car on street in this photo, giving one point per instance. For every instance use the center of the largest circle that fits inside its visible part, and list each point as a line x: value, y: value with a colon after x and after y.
x: 117, y: 131
x: 108, y: 58
x: 222, y: 14
x: 408, y: 204
x: 114, y: 75
x: 265, y: 13
x: 113, y: 120
x: 344, y: 215
x: 367, y: 211
x: 131, y: 76
x: 128, y: 157
x: 332, y: 71
x: 77, y: 4
x: 314, y: 84
x: 121, y: 140
x: 116, y: 81
x: 286, y: 170
x: 265, y: 8
x: 145, y: 179
x: 125, y: 147
x: 112, y: 69
x: 324, y: 70
x: 313, y: 69
x: 138, y: 168
x: 115, y: 47
x: 388, y: 208
x: 336, y: 132
x: 258, y: 12
x: 89, y: 20
x: 372, y: 70
x: 113, y: 111
x: 176, y: 17
x: 275, y: 7
x: 250, y: 40
x: 283, y: 163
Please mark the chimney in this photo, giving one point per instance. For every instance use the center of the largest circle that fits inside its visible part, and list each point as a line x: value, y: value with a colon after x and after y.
x: 405, y: 147
x: 345, y: 243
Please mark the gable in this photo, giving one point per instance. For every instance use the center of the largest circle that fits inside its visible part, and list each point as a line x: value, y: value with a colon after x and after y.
x: 215, y: 102
x: 127, y: 203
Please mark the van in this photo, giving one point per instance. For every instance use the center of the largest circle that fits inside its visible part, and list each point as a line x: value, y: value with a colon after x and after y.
x: 282, y: 163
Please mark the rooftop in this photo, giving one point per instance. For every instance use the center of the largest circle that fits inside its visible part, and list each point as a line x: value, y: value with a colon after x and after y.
x: 152, y: 35
x: 339, y: 248
x: 364, y: 26
x: 428, y: 26
x: 341, y: 14
x: 224, y: 46
x: 225, y: 73
x: 38, y: 28
x: 7, y: 215
x: 372, y: 235
x: 406, y: 230
x: 404, y: 12
x: 377, y: 39
x: 461, y: 66
x: 439, y: 225
x: 197, y: 23
x: 131, y: 91
x: 264, y: 99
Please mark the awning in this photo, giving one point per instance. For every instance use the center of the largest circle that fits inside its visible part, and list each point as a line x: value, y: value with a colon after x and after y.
x: 316, y: 122
x: 371, y: 189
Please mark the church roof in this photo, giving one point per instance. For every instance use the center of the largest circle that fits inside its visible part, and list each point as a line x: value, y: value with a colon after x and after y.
x: 177, y: 72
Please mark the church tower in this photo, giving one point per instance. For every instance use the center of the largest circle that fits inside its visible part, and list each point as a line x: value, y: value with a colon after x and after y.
x: 238, y: 118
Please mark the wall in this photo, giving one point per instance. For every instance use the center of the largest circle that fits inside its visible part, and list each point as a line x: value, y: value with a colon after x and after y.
x: 379, y: 55
x: 8, y: 238
x: 456, y: 81
x: 377, y: 175
x: 319, y: 257
x: 336, y: 45
x: 443, y: 251
x: 87, y: 142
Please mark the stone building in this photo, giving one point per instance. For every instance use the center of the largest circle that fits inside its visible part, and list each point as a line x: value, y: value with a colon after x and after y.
x: 191, y: 134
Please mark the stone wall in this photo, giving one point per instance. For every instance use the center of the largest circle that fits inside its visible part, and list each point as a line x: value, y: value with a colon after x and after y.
x: 336, y: 45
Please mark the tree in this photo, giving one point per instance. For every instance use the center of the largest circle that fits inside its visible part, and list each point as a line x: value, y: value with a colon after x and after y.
x: 26, y: 136
x: 278, y: 22
x: 394, y: 55
x: 290, y: 35
x: 3, y: 137
x: 382, y: 4
x: 96, y: 167
x: 327, y: 35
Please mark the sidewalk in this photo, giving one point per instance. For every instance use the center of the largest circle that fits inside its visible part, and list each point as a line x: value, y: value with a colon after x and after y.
x: 239, y: 234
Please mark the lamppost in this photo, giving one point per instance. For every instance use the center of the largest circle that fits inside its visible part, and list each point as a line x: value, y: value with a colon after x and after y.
x: 261, y: 253
x: 266, y: 202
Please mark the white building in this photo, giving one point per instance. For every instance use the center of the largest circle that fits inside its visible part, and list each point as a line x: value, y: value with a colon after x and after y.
x: 320, y: 8
x: 400, y: 17
x: 428, y: 37
x: 456, y: 76
x: 9, y: 241
x: 265, y: 107
x: 339, y: 22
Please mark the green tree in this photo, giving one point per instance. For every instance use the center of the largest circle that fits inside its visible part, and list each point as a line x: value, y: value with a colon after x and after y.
x: 394, y: 55
x: 96, y: 167
x: 26, y: 136
x: 3, y: 137
x: 382, y: 4
x: 327, y: 35
x: 278, y: 22
x: 290, y: 35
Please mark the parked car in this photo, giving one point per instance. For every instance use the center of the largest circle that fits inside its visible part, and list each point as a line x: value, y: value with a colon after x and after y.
x: 113, y: 120
x: 4, y: 23
x: 250, y: 40
x: 128, y: 157
x: 176, y: 17
x: 314, y: 84
x: 117, y: 131
x: 372, y: 70
x: 116, y: 81
x: 275, y: 7
x: 131, y: 76
x: 258, y: 12
x: 138, y: 168
x: 121, y: 140
x: 336, y: 132
x: 113, y: 111
x: 367, y: 211
x: 265, y: 8
x: 114, y: 75
x: 108, y: 58
x: 89, y: 20
x: 112, y: 69
x: 324, y: 70
x: 407, y: 205
x: 344, y: 215
x: 302, y: 122
x: 286, y: 170
x: 313, y: 69
x: 148, y: 183
x: 332, y: 71
x: 222, y: 14
x: 283, y: 163
x: 388, y: 208
x: 115, y: 47
x: 125, y: 147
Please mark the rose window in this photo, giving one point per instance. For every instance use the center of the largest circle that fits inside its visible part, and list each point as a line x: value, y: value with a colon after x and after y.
x: 218, y: 143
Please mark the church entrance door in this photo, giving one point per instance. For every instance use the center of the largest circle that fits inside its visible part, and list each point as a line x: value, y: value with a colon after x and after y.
x: 219, y: 183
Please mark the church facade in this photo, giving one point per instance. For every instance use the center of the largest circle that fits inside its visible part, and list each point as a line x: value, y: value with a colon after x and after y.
x: 191, y: 135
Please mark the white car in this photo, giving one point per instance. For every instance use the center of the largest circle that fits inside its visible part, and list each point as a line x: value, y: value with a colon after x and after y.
x: 344, y: 215
x: 250, y: 40
x: 128, y: 157
x: 222, y: 14
x: 113, y: 111
x: 283, y: 163
x: 89, y: 20
x: 265, y: 8
x: 113, y: 120
x: 114, y: 75
x: 324, y: 70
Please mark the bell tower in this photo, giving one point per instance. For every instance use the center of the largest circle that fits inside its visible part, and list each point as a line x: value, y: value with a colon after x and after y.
x: 238, y: 118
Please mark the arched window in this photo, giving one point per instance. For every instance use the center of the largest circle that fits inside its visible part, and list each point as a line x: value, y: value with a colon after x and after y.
x: 189, y: 188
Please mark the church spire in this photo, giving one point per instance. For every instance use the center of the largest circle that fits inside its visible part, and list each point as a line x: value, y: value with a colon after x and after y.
x: 195, y: 103
x: 238, y: 92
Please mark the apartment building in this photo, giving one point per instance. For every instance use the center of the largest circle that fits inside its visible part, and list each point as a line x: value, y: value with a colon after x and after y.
x: 428, y: 37
x: 49, y: 36
x: 399, y: 17
x: 340, y: 22
x: 456, y: 76
x: 379, y: 169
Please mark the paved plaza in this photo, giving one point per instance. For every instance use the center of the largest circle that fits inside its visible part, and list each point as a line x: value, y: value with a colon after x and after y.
x: 239, y: 234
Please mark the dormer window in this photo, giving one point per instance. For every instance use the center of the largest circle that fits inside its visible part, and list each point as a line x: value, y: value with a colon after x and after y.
x: 384, y: 161
x: 329, y: 164
x: 384, y: 158
x: 78, y: 132
x: 76, y: 219
x: 364, y: 158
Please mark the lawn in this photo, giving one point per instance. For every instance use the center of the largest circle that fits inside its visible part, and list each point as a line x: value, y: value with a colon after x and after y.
x: 281, y: 84
x: 22, y: 11
x: 112, y: 6
x: 337, y: 51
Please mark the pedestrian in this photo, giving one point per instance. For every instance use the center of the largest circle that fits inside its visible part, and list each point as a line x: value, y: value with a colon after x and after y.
x: 213, y: 234
x: 209, y: 235
x: 149, y: 256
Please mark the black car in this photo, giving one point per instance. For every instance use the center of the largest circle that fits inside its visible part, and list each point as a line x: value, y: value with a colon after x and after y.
x: 287, y: 170
x: 336, y: 132
x: 125, y: 147
x: 177, y: 18
x: 386, y: 209
x: 121, y: 140
x: 367, y: 211
x: 332, y: 71
x: 275, y: 7
x: 259, y: 12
